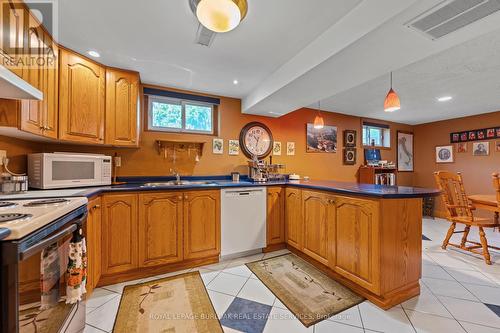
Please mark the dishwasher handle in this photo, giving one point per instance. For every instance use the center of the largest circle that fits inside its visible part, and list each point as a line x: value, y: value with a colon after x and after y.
x: 246, y: 192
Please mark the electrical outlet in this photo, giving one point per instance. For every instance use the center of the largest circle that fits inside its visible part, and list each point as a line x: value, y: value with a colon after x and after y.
x: 3, y: 154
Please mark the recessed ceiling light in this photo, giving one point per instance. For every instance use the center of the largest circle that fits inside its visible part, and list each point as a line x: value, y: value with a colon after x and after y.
x: 94, y: 54
x: 445, y: 99
x: 235, y: 82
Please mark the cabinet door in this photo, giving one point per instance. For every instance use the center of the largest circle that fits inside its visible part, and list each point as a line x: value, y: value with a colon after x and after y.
x: 81, y: 99
x: 275, y: 215
x: 160, y: 228
x: 317, y: 216
x: 12, y: 28
x: 50, y: 88
x: 119, y: 239
x: 201, y: 224
x: 354, y: 253
x: 293, y: 218
x: 122, y: 107
x: 94, y: 247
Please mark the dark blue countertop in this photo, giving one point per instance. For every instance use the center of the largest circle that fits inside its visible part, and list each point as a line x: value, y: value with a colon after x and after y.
x: 4, y: 233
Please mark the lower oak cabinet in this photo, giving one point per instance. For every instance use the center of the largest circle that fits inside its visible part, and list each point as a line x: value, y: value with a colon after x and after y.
x: 275, y: 216
x: 94, y: 246
x: 160, y: 228
x: 293, y: 217
x: 317, y: 211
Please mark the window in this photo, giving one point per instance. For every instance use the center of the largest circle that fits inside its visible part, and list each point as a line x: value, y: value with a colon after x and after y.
x: 176, y: 115
x: 378, y: 135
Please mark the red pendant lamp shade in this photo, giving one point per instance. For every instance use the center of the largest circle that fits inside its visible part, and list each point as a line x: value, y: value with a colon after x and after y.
x: 319, y: 123
x: 392, y: 102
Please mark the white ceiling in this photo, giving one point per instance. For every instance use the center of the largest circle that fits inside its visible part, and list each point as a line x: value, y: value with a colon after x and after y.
x: 157, y: 38
x: 289, y: 54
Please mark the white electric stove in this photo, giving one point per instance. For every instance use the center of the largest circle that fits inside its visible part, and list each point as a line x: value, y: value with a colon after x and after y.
x: 22, y: 217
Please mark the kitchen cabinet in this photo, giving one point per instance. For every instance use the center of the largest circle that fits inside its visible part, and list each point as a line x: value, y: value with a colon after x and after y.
x: 275, y: 215
x: 12, y: 45
x: 81, y: 99
x: 355, y: 247
x: 201, y: 224
x: 122, y: 107
x: 119, y: 233
x: 94, y: 245
x: 317, y: 212
x: 293, y: 217
x: 160, y: 228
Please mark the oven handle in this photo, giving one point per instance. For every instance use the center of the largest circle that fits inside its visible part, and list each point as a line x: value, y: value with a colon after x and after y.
x: 52, y: 239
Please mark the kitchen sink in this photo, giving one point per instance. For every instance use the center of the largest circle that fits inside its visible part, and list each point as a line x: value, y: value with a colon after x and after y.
x: 178, y: 183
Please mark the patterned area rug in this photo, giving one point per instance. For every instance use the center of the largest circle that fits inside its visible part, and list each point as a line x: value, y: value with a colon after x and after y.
x: 174, y: 304
x: 308, y: 293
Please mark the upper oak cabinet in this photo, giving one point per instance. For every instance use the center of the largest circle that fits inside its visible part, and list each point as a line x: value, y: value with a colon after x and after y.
x: 81, y: 99
x: 122, y: 107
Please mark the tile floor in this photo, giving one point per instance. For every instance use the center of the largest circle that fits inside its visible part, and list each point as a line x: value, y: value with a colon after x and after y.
x: 460, y: 293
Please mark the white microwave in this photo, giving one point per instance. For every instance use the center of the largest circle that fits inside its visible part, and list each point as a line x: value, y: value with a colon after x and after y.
x: 61, y: 170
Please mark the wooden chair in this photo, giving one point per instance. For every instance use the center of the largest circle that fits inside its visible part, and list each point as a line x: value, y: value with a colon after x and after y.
x: 496, y: 186
x: 459, y: 210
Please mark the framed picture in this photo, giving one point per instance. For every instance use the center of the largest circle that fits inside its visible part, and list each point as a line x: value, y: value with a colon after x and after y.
x: 481, y: 148
x: 444, y: 154
x: 472, y: 136
x: 455, y: 137
x: 490, y: 133
x: 463, y: 136
x: 481, y: 134
x: 349, y: 138
x: 277, y: 148
x: 350, y: 156
x: 462, y: 147
x: 497, y: 146
x: 233, y: 147
x: 405, y: 151
x: 218, y: 146
x: 322, y: 140
x: 290, y: 148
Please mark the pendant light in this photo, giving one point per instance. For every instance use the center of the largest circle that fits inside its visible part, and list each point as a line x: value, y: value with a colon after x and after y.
x: 392, y: 102
x: 318, y: 121
x: 221, y: 15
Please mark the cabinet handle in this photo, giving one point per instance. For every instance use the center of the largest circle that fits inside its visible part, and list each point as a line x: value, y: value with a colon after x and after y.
x: 185, y: 197
x: 179, y: 197
x: 97, y: 206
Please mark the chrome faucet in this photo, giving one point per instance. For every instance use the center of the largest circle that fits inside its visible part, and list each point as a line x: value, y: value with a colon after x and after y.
x: 177, y: 176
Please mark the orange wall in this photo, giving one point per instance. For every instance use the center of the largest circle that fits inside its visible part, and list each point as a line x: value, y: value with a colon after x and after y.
x: 291, y: 127
x: 476, y: 170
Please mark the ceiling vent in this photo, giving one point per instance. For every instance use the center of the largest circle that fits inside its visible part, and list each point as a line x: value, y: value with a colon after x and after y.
x: 204, y: 36
x: 451, y: 16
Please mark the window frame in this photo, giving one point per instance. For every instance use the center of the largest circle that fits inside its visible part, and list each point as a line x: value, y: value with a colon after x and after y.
x: 385, y: 140
x: 182, y: 103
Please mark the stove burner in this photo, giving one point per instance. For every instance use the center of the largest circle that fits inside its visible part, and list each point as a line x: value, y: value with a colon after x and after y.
x: 7, y: 204
x: 14, y: 216
x: 46, y: 202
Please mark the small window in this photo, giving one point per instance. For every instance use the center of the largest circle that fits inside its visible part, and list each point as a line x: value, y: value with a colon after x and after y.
x: 175, y: 115
x: 376, y: 135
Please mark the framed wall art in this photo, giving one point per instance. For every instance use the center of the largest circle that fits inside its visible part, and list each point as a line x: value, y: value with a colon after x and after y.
x: 218, y: 146
x: 322, y: 140
x: 405, y: 156
x: 350, y: 156
x: 277, y: 148
x: 349, y: 138
x: 290, y: 148
x: 233, y: 147
x: 475, y: 135
x: 481, y: 148
x: 444, y: 154
x: 462, y: 147
x: 497, y: 146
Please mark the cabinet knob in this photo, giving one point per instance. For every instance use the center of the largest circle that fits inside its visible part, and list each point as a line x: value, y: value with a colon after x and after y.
x: 185, y: 197
x: 97, y: 206
x: 179, y: 197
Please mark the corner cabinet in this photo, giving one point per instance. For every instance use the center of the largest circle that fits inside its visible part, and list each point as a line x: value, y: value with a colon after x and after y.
x: 275, y: 216
x: 122, y: 107
x: 201, y: 224
x: 293, y: 217
x: 81, y: 99
x: 119, y: 233
x: 160, y: 228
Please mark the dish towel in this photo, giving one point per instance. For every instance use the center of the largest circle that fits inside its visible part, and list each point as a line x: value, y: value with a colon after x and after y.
x: 76, y: 275
x: 49, y: 276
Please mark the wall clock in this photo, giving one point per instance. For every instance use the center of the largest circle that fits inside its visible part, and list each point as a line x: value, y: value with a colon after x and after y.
x: 256, y: 139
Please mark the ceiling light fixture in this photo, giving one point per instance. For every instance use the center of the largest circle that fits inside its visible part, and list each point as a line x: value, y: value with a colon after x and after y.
x: 319, y: 123
x: 445, y: 99
x: 392, y: 102
x: 94, y: 54
x: 221, y: 15
x: 235, y: 82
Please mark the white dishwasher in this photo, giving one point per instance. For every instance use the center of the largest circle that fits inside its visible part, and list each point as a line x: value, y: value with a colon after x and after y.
x: 243, y: 221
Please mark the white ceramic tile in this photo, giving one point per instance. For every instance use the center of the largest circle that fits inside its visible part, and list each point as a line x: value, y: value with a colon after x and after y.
x: 486, y: 294
x: 217, y: 266
x: 253, y: 276
x: 392, y: 320
x: 448, y: 288
x: 227, y: 284
x: 104, y: 316
x: 277, y: 303
x: 90, y: 329
x: 474, y: 312
x: 255, y: 290
x: 350, y: 316
x: 424, y: 323
x: 436, y: 272
x: 474, y: 328
x: 426, y: 260
x: 283, y: 321
x: 220, y: 301
x: 452, y: 260
x: 474, y: 277
x: 208, y: 276
x: 245, y: 260
x: 99, y: 297
x: 118, y: 288
x: 241, y: 270
x: 230, y: 330
x: 327, y: 326
x: 426, y: 302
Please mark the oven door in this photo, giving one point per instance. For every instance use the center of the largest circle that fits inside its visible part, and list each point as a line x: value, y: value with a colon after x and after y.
x: 42, y: 287
x: 71, y: 171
